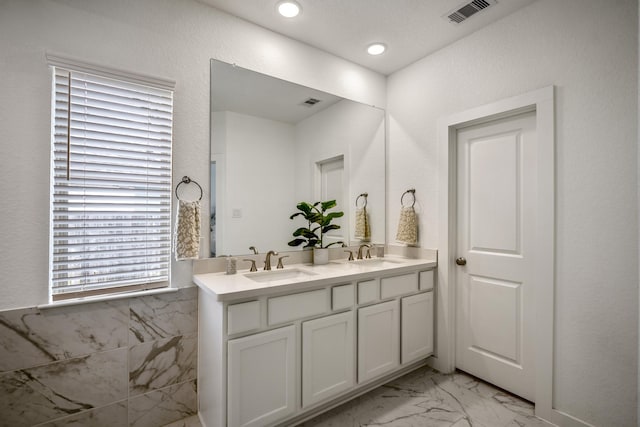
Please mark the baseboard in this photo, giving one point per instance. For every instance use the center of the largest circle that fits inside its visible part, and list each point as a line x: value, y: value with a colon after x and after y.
x: 565, y: 420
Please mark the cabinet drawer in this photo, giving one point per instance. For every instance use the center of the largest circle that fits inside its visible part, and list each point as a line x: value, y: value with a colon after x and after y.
x: 297, y: 306
x: 243, y: 317
x: 367, y: 291
x: 341, y: 297
x: 426, y: 280
x: 398, y: 285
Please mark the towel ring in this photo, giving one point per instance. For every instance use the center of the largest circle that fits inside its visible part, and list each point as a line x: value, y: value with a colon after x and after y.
x: 187, y: 180
x: 365, y: 195
x: 413, y: 194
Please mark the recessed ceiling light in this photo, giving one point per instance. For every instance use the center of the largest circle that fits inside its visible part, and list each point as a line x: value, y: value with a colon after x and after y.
x: 376, y: 48
x: 289, y: 9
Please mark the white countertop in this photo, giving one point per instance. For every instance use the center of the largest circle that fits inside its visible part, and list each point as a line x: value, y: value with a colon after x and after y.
x: 240, y: 285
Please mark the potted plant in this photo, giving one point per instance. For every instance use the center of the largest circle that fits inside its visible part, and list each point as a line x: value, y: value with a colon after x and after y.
x: 318, y: 224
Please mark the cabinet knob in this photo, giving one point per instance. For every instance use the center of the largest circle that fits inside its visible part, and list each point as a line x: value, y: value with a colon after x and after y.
x: 461, y: 261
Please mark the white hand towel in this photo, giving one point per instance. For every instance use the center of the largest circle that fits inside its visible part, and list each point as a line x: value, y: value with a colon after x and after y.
x: 186, y: 238
x: 408, y: 226
x: 363, y: 229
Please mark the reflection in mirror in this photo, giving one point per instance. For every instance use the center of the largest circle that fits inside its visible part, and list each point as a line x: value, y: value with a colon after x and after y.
x: 274, y: 144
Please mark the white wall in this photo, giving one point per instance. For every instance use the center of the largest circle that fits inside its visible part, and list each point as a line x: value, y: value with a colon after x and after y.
x: 357, y: 132
x: 173, y: 39
x: 588, y: 50
x: 260, y: 154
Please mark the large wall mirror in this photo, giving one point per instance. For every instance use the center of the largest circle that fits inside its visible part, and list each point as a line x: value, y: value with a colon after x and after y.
x: 274, y: 144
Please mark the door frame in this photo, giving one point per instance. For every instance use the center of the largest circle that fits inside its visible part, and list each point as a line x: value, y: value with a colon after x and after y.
x: 542, y: 102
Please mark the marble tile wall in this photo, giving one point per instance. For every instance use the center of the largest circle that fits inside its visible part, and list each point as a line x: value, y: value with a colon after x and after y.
x: 128, y: 362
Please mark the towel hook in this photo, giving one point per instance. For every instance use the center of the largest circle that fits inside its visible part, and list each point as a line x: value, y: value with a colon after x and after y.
x: 187, y: 180
x: 413, y: 194
x: 365, y: 195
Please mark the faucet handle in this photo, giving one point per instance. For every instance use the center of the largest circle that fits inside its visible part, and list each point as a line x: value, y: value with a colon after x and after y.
x: 350, y: 255
x: 253, y: 264
x: 280, y: 261
x: 253, y: 248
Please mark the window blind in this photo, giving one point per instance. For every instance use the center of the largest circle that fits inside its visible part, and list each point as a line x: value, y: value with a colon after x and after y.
x: 111, y: 185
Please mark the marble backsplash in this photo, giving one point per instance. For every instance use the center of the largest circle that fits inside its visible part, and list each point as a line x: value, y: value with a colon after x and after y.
x: 128, y: 362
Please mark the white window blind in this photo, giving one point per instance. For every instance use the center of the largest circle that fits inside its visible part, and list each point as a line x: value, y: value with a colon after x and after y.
x: 111, y: 185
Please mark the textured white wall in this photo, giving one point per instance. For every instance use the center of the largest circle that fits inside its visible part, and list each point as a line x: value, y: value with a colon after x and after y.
x: 260, y: 155
x: 167, y: 38
x: 355, y: 131
x: 588, y: 50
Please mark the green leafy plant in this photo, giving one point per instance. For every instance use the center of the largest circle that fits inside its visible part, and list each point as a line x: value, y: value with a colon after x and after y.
x: 319, y: 223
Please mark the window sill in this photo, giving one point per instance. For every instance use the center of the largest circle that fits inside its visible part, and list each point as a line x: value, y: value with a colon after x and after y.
x: 99, y: 298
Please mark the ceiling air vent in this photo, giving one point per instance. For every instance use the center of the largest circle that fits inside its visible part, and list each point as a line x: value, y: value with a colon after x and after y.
x: 310, y: 102
x: 467, y: 10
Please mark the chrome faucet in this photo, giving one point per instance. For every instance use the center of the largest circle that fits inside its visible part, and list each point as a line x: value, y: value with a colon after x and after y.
x: 267, y: 260
x: 368, y: 251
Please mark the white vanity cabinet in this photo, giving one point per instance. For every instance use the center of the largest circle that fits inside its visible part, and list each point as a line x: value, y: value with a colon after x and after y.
x: 417, y: 327
x: 261, y: 385
x: 378, y: 339
x: 275, y: 355
x: 328, y: 357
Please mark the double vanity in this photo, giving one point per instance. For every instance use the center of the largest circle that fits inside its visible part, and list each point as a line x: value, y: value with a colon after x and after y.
x: 277, y: 347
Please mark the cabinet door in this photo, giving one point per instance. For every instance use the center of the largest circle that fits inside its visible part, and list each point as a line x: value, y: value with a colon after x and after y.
x: 328, y: 357
x: 261, y: 377
x: 378, y: 339
x: 417, y: 327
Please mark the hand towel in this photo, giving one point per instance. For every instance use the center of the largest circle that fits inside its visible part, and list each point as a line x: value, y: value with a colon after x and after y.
x: 186, y: 238
x: 363, y: 229
x: 408, y: 226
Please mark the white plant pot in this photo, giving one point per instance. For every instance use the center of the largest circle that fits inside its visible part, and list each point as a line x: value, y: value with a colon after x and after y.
x: 320, y: 256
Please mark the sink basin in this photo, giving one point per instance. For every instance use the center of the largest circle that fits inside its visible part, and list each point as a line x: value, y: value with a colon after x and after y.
x: 372, y: 262
x: 377, y: 262
x: 276, y: 275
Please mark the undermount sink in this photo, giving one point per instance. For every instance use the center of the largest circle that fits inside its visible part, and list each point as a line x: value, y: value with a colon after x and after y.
x: 377, y: 262
x: 370, y: 262
x: 276, y: 275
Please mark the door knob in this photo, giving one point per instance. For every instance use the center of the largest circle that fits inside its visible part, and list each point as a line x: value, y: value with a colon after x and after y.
x: 461, y: 261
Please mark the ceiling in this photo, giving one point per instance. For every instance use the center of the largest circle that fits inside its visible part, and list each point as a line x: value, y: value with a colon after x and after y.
x: 411, y: 29
x: 248, y: 92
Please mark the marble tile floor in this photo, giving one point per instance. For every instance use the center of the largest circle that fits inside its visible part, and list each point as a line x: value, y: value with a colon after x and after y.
x: 192, y: 421
x: 426, y: 398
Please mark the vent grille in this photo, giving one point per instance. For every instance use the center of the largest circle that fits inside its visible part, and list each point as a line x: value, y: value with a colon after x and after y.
x: 467, y: 10
x: 310, y: 102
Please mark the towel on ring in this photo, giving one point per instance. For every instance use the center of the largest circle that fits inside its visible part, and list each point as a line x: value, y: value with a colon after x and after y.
x: 408, y: 226
x: 186, y: 238
x: 363, y: 229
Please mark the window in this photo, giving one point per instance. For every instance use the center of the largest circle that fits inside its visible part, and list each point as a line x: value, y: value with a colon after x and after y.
x: 111, y: 184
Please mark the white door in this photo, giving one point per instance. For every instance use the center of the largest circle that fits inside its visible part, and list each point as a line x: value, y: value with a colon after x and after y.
x: 496, y: 205
x: 261, y: 378
x: 417, y: 327
x: 332, y: 187
x: 378, y: 339
x: 328, y: 357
